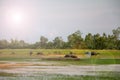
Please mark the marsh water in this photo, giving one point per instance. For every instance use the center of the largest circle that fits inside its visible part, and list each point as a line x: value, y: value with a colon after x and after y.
x: 37, y: 68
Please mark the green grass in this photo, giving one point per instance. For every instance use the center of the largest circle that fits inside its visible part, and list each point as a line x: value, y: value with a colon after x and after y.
x: 3, y: 74
x: 89, y: 62
x: 105, y: 57
x: 25, y: 52
x: 66, y: 61
x: 61, y: 77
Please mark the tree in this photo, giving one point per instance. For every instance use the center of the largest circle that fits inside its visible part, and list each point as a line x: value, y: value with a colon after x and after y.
x: 100, y: 42
x: 104, y: 41
x: 4, y: 44
x: 118, y: 44
x: 50, y: 45
x: 23, y: 44
x: 16, y: 44
x: 110, y: 42
x: 96, y: 40
x: 43, y: 42
x: 116, y: 33
x: 89, y: 41
x: 75, y: 40
x: 58, y: 42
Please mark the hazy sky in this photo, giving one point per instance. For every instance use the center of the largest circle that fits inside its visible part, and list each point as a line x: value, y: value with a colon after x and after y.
x: 30, y: 19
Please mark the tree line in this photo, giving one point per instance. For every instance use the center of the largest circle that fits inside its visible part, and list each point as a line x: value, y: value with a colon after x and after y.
x: 74, y: 41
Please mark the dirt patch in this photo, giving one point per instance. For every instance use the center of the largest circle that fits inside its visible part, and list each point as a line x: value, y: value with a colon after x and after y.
x: 10, y: 65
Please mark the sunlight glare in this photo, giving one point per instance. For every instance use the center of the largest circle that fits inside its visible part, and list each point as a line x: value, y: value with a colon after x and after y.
x: 17, y: 18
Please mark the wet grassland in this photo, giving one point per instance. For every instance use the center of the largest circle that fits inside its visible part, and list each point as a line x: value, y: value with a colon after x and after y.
x: 50, y: 64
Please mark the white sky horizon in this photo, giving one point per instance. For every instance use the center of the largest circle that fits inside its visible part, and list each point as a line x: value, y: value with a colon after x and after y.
x: 29, y: 19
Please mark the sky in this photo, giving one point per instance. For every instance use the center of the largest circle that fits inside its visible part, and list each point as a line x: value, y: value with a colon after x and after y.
x: 29, y: 19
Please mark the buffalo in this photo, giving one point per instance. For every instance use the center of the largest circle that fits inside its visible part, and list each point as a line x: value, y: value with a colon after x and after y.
x: 70, y: 55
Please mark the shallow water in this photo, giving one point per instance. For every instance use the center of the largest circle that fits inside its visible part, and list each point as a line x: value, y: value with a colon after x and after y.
x: 37, y: 68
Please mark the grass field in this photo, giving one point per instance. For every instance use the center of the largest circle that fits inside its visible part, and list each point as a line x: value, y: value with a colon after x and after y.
x: 55, y: 57
x: 61, y: 77
x: 105, y: 56
x: 57, y: 52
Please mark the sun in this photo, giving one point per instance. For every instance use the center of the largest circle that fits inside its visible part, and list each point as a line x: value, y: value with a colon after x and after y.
x: 17, y: 18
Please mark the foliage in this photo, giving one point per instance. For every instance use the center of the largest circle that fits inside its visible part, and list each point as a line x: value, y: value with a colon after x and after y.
x: 75, y: 41
x: 58, y: 42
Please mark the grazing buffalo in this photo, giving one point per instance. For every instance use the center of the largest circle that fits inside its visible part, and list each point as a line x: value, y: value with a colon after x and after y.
x: 67, y: 55
x: 74, y: 56
x: 70, y: 55
x: 94, y: 53
x: 31, y: 53
x: 39, y: 53
x: 91, y: 53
